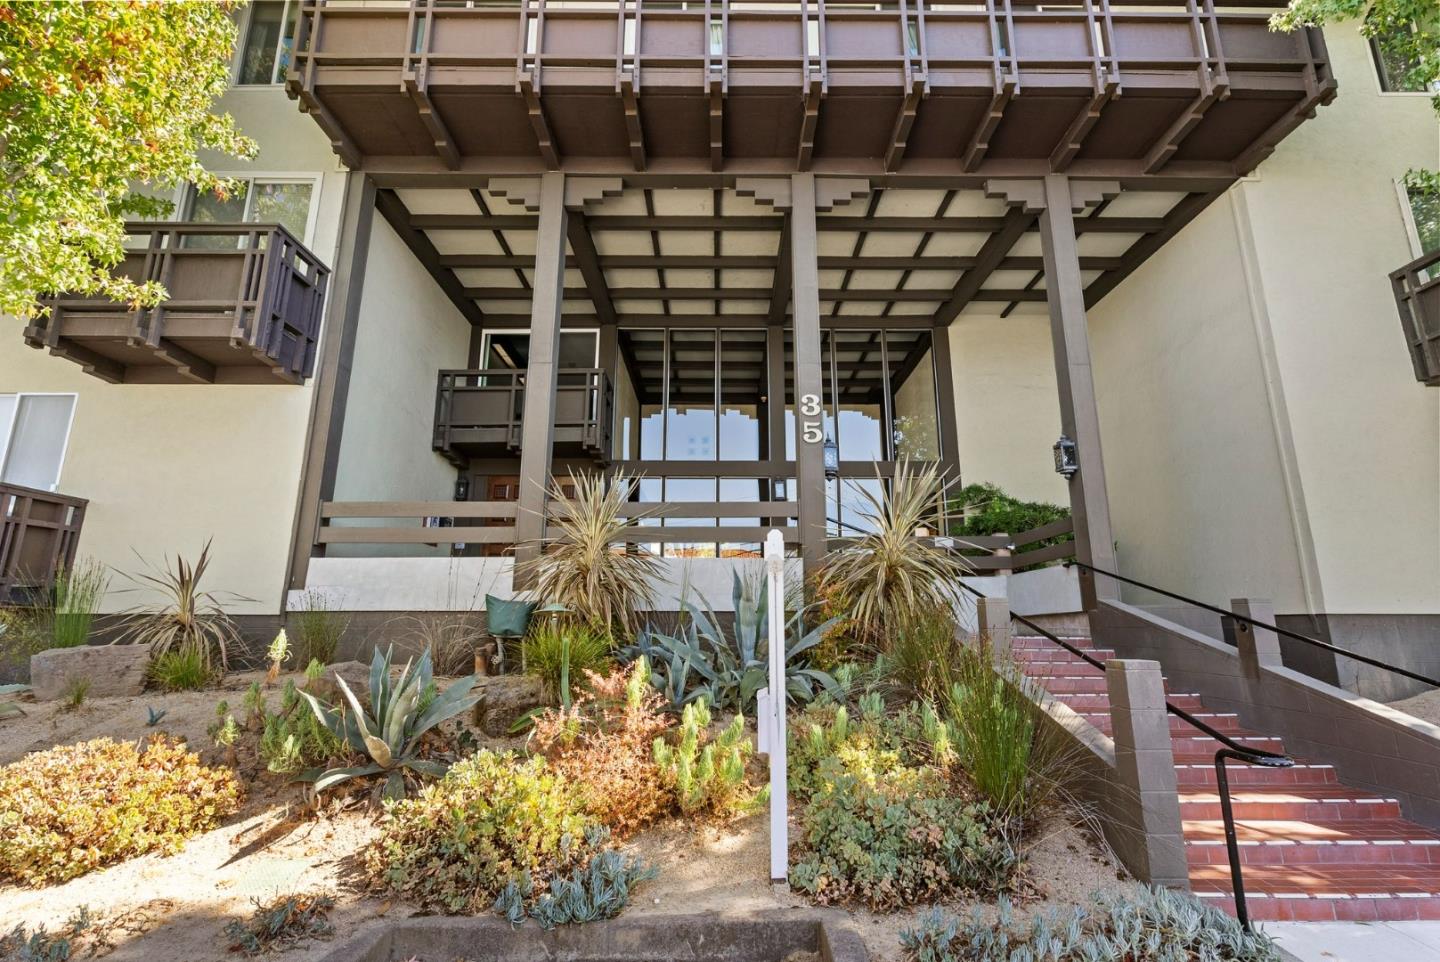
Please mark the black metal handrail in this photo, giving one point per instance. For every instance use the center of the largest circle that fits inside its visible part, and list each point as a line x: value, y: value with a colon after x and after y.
x: 1232, y: 750
x: 1225, y: 613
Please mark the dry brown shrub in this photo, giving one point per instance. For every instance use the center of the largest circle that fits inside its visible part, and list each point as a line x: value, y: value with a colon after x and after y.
x: 605, y: 744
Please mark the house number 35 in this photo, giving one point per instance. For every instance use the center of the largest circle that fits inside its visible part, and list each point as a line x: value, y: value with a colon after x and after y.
x: 810, y: 431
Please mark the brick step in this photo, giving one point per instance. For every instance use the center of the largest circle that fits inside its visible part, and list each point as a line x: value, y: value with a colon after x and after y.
x: 1201, y: 774
x: 1061, y: 668
x: 1350, y: 832
x: 1200, y: 749
x: 1290, y: 804
x: 1317, y: 893
x: 1223, y: 723
x: 1027, y: 656
x: 1266, y: 908
x: 1036, y: 643
x: 1305, y: 852
x: 1085, y: 703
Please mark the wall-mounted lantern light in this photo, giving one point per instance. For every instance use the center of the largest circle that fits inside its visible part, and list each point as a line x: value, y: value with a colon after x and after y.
x: 1067, y: 462
x: 832, y: 459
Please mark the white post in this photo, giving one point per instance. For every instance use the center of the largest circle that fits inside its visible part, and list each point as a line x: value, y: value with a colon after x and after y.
x: 774, y: 706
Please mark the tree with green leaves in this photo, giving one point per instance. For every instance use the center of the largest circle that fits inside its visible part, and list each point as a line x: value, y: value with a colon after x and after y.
x: 1406, y: 34
x: 103, y: 108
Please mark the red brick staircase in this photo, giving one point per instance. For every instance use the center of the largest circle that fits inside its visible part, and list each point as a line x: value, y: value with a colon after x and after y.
x: 1312, y: 848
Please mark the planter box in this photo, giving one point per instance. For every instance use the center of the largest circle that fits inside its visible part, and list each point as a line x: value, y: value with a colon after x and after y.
x: 113, y: 670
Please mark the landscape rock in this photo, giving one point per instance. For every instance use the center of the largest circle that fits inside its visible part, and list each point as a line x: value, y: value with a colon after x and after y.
x: 356, y: 675
x: 112, y: 670
x: 504, y: 698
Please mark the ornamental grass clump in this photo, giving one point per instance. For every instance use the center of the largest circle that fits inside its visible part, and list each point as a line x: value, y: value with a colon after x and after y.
x: 1142, y: 925
x: 893, y: 569
x: 560, y: 653
x: 604, y: 747
x: 70, y: 810
x: 493, y: 819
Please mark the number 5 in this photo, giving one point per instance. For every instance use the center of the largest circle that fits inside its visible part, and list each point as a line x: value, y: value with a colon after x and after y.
x: 812, y: 433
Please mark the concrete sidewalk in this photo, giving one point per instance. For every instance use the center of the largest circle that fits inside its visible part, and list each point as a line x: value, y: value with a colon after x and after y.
x: 1358, y: 941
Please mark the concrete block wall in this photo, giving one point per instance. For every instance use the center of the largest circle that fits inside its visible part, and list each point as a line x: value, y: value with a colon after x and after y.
x: 1370, y: 744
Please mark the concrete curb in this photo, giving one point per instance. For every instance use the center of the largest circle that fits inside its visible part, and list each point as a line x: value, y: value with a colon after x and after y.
x: 764, y: 937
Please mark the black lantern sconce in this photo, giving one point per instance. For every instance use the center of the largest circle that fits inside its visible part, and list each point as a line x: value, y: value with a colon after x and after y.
x: 1067, y: 461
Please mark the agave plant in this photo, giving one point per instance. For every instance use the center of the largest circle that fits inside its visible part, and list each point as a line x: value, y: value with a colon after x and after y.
x: 188, y: 620
x: 389, y: 731
x: 893, y: 569
x: 729, y: 671
x: 579, y: 566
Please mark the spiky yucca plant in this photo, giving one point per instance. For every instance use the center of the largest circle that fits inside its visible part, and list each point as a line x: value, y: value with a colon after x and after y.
x: 893, y: 569
x: 188, y: 619
x: 582, y: 566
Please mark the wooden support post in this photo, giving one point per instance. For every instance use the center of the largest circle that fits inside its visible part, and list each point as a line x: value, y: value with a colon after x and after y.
x: 332, y: 375
x: 538, y: 428
x: 1079, y: 418
x: 809, y: 385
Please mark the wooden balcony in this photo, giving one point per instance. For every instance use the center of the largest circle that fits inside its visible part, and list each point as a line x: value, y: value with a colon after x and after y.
x: 478, y: 414
x: 244, y: 306
x: 1000, y: 87
x: 39, y: 534
x: 1417, y: 295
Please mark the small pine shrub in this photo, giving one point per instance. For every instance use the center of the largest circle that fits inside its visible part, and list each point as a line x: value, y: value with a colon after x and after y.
x: 453, y: 847
x: 561, y: 653
x: 76, y: 808
x: 1146, y: 925
x: 180, y: 669
x: 604, y: 747
x: 708, y: 776
x: 282, y: 922
x: 293, y: 739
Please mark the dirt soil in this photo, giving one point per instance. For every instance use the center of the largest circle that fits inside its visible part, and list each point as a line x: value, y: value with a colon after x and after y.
x: 174, y: 909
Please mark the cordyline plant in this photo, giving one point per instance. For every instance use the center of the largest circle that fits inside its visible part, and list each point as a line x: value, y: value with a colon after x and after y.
x: 581, y: 567
x: 893, y: 569
x: 96, y: 98
x: 188, y: 621
x: 389, y: 729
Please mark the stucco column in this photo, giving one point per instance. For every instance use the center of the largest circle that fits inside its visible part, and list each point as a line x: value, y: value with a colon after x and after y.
x: 809, y: 386
x: 1079, y: 418
x: 538, y: 427
x: 992, y: 623
x: 1258, y: 647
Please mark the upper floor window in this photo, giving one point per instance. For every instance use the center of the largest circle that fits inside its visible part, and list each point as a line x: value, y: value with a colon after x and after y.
x: 1425, y: 217
x: 267, y: 41
x: 260, y: 200
x: 34, y: 431
x: 1397, y: 54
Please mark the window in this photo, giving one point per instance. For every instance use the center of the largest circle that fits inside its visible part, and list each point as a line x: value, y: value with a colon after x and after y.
x: 260, y: 200
x: 1425, y: 216
x: 267, y: 41
x: 1397, y: 55
x: 34, y: 429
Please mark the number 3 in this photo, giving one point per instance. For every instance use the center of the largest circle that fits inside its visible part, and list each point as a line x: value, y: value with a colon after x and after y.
x: 809, y: 405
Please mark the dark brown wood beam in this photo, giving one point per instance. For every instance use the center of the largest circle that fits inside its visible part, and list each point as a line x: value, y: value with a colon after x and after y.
x: 392, y: 208
x: 762, y: 294
x: 636, y: 222
x: 748, y: 262
x: 588, y: 261
x: 992, y: 254
x: 1169, y: 142
x: 780, y: 280
x: 980, y: 143
x: 631, y: 106
x: 1085, y: 120
x: 904, y: 122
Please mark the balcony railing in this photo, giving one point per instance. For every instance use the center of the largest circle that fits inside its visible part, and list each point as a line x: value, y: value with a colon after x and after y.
x: 243, y: 307
x: 478, y: 413
x: 704, y: 83
x: 1417, y: 295
x: 39, y: 534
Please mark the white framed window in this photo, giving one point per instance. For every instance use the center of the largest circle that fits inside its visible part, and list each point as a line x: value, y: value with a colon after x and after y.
x: 266, y: 42
x: 34, y: 434
x: 1422, y: 218
x: 286, y: 199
